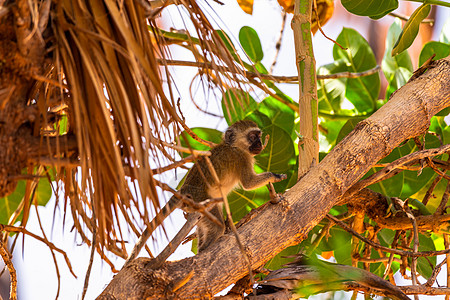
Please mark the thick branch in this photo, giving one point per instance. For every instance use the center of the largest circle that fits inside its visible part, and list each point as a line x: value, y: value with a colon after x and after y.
x: 405, y: 115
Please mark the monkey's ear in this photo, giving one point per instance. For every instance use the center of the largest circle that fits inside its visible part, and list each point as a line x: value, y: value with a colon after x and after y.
x: 229, y: 137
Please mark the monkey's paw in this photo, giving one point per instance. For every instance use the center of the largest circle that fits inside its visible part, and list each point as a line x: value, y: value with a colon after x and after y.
x: 279, y: 177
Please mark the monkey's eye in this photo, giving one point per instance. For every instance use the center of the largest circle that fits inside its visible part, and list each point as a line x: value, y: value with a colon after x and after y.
x: 253, y: 136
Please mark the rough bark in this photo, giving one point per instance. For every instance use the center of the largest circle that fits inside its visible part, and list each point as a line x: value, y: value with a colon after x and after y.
x: 407, y: 114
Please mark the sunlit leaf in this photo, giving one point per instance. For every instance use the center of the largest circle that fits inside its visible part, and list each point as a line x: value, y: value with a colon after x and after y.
x: 423, y: 264
x: 390, y: 64
x: 375, y: 9
x: 251, y: 43
x: 280, y: 114
x: 246, y: 6
x: 411, y: 29
x: 362, y: 92
x: 207, y: 134
x: 398, y: 79
x: 440, y: 49
x: 236, y: 104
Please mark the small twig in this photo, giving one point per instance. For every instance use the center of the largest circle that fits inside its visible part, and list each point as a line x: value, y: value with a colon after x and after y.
x: 409, y: 214
x: 322, y: 234
x: 58, y: 275
x: 91, y: 256
x: 430, y: 190
x: 195, y: 103
x: 280, y: 38
x: 432, y: 166
x: 320, y: 27
x: 405, y: 18
x: 6, y: 256
x: 157, y: 141
x: 436, y: 271
x: 393, y: 166
x: 275, y: 78
x: 195, y: 136
x: 440, y: 209
x: 376, y: 260
x: 174, y: 165
x: 447, y: 257
x: 378, y: 246
x: 22, y: 230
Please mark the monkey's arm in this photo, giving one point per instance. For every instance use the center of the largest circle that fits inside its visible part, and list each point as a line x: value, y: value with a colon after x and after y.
x: 170, y: 206
x: 250, y: 180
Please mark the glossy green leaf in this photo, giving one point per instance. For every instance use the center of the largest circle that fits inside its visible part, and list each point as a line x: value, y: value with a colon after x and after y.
x: 398, y: 79
x: 390, y: 63
x: 332, y: 129
x: 279, y: 152
x: 342, y: 246
x: 280, y: 114
x: 406, y: 183
x: 445, y: 33
x: 236, y: 104
x: 331, y: 92
x: 249, y: 40
x: 440, y: 49
x: 207, y: 134
x: 423, y: 264
x: 283, y: 257
x: 242, y: 202
x: 375, y: 9
x: 362, y: 92
x: 10, y: 203
x: 411, y: 29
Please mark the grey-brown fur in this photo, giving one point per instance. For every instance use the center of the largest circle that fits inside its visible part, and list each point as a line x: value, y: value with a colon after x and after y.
x: 233, y: 161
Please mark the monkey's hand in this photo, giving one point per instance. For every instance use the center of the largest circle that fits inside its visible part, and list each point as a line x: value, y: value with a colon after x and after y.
x: 278, y: 177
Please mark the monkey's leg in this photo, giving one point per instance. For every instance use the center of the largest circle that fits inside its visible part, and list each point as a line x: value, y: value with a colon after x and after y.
x: 191, y: 221
x: 209, y: 232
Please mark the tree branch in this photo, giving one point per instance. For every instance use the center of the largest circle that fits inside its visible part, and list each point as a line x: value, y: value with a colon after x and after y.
x: 405, y: 115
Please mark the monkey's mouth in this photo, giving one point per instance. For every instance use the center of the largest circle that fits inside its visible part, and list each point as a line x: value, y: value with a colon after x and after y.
x: 255, y: 149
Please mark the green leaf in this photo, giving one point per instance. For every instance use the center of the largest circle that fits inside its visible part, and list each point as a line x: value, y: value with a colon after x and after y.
x: 390, y: 63
x: 445, y: 33
x: 406, y: 183
x: 279, y: 152
x: 440, y: 49
x: 236, y: 104
x: 332, y: 129
x: 249, y: 40
x: 242, y: 202
x: 423, y: 264
x: 362, y: 92
x: 331, y: 92
x: 280, y: 114
x: 341, y: 243
x: 10, y: 203
x: 375, y: 9
x: 207, y: 134
x: 283, y: 257
x: 398, y: 79
x: 411, y: 29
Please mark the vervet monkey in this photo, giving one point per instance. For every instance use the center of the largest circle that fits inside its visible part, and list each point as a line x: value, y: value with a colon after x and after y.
x: 233, y: 162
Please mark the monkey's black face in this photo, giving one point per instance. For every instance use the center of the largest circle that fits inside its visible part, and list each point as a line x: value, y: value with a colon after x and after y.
x: 254, y: 139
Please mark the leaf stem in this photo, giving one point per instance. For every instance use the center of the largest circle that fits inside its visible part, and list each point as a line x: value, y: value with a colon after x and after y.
x: 435, y: 2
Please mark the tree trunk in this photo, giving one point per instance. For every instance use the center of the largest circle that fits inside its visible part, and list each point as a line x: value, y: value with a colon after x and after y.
x: 406, y: 115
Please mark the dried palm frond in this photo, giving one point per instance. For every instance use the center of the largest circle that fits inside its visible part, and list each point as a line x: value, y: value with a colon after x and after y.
x: 97, y: 66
